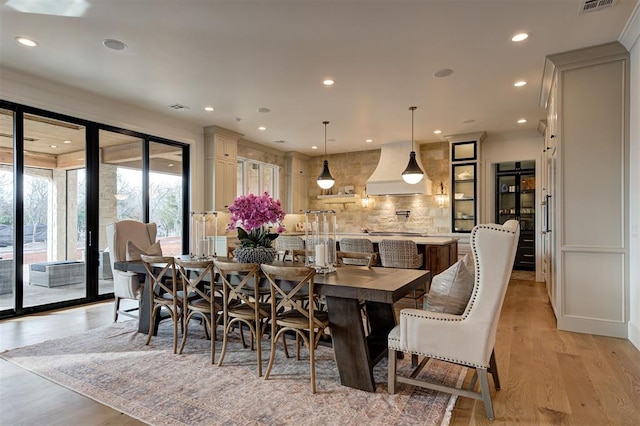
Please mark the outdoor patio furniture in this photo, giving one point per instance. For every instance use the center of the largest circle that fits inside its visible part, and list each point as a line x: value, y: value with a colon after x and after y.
x: 6, y: 276
x: 56, y: 274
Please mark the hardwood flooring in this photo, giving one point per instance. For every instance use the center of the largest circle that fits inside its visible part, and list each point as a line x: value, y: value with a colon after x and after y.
x: 548, y: 377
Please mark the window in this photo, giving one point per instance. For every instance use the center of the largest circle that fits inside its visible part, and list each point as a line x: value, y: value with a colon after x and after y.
x: 255, y: 177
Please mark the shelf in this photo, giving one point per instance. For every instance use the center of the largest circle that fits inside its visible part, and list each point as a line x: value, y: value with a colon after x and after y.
x: 464, y: 199
x: 338, y: 198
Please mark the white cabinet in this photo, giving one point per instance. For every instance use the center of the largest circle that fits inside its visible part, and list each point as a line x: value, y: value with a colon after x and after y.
x: 297, y: 180
x: 221, y: 147
x: 586, y: 96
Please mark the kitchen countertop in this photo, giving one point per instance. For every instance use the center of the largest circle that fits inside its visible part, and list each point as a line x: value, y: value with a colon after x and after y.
x: 376, y: 237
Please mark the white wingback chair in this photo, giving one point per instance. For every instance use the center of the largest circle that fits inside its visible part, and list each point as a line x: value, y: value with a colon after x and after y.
x: 127, y: 285
x: 466, y: 339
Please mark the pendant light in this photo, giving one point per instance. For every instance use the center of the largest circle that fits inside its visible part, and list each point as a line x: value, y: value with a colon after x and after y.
x: 413, y: 173
x: 325, y: 180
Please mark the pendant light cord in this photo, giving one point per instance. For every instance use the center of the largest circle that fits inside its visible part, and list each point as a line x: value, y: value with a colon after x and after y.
x: 325, y: 138
x: 412, y: 111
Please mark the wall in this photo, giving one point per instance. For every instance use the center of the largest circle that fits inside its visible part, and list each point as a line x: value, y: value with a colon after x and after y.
x: 355, y: 167
x: 22, y: 88
x: 631, y: 40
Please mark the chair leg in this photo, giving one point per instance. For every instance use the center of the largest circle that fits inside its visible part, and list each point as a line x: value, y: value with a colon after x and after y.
x: 152, y: 324
x: 312, y: 360
x: 391, y: 373
x: 486, y: 394
x: 493, y: 369
x: 116, y: 307
x: 185, y: 325
x: 272, y: 355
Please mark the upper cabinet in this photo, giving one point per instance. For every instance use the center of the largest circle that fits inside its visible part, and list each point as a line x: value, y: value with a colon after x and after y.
x: 296, y: 174
x: 465, y: 164
x: 220, y: 163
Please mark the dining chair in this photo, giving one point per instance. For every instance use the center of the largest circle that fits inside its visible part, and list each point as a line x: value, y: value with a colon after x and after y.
x: 286, y: 244
x: 242, y: 303
x: 164, y: 292
x: 402, y: 254
x: 201, y: 302
x: 121, y: 236
x: 355, y: 258
x: 293, y: 310
x: 467, y: 339
x: 361, y: 245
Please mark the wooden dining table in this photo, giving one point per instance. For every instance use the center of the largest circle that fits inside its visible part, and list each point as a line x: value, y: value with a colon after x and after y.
x: 356, y: 352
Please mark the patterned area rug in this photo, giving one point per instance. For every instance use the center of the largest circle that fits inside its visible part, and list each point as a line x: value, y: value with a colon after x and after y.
x: 113, y: 366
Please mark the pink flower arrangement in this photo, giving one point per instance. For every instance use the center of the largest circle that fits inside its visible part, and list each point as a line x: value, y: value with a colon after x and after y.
x: 252, y: 215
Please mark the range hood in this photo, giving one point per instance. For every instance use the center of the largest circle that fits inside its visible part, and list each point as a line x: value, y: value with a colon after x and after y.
x: 387, y: 177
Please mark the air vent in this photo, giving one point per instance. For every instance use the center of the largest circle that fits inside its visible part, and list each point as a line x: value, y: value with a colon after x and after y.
x: 593, y: 5
x: 179, y: 107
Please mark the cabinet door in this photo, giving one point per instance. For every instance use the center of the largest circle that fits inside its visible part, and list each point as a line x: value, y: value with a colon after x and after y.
x: 507, y: 206
x: 527, y: 206
x: 225, y: 183
x: 464, y: 197
x: 299, y: 194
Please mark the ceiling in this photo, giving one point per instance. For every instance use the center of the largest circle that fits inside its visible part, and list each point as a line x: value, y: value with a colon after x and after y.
x: 239, y: 56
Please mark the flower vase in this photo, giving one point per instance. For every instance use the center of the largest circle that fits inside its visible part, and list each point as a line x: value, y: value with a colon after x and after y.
x: 255, y: 254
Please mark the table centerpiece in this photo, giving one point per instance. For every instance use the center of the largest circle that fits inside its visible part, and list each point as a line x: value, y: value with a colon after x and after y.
x: 254, y: 216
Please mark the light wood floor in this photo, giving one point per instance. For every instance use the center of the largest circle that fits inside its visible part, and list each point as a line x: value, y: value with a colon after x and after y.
x: 548, y: 376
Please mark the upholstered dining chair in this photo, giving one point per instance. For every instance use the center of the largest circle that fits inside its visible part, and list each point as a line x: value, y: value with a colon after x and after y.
x: 201, y: 302
x: 467, y: 339
x: 290, y: 311
x: 242, y: 303
x: 360, y: 245
x: 126, y: 240
x: 402, y: 254
x: 165, y: 292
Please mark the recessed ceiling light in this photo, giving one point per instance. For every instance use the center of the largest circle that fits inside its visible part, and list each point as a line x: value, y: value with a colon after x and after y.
x: 112, y: 44
x: 369, y: 140
x: 53, y: 146
x: 170, y: 165
x: 520, y: 37
x: 520, y: 83
x: 521, y: 121
x: 26, y: 42
x: 444, y: 72
x: 314, y: 147
x: 66, y: 141
x: 262, y: 128
x: 437, y: 132
x: 263, y: 110
x: 209, y: 108
x: 328, y: 82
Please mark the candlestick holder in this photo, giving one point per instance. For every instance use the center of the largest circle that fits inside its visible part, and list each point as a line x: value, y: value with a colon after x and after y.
x: 320, y: 240
x: 204, y: 233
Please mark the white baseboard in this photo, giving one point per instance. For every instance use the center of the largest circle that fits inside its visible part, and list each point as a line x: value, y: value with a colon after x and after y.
x: 634, y: 334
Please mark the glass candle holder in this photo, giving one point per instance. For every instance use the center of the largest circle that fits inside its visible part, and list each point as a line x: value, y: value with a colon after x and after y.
x: 204, y: 232
x: 320, y: 240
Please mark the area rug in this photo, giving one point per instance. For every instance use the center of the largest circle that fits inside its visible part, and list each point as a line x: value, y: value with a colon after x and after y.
x: 113, y: 366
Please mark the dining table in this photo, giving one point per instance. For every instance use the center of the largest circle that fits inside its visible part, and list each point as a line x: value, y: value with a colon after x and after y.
x: 345, y: 289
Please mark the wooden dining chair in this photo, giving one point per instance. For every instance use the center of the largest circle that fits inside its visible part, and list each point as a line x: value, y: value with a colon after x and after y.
x: 202, y: 302
x: 242, y: 303
x: 165, y: 292
x: 354, y: 258
x: 291, y: 312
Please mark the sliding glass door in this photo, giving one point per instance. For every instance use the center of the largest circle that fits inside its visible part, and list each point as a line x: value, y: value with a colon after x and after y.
x: 72, y: 178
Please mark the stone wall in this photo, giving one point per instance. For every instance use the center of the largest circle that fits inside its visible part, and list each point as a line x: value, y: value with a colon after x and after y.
x: 355, y: 167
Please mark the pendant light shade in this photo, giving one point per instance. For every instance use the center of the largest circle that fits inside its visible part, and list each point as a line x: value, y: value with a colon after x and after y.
x: 413, y: 173
x: 325, y: 180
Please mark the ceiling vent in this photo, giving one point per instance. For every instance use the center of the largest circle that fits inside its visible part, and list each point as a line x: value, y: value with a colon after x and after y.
x: 179, y: 107
x: 593, y: 5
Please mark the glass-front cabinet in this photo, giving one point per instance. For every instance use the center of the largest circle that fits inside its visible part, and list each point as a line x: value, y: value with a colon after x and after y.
x: 464, y: 203
x: 515, y: 199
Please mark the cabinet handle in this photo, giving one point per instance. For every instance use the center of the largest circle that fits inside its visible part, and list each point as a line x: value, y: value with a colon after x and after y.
x: 226, y: 155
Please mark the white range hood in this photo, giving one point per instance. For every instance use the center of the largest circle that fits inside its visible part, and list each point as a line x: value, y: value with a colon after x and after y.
x: 387, y: 177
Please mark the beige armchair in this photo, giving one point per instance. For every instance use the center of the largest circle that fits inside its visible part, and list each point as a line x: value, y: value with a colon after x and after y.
x: 127, y: 285
x: 466, y: 339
